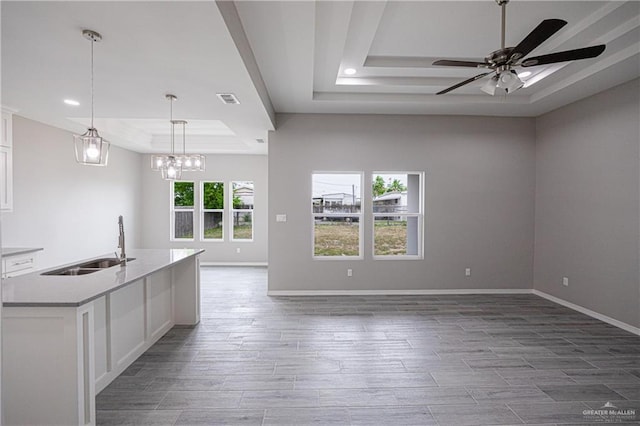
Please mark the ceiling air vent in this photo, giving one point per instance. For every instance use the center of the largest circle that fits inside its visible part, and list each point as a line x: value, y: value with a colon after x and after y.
x: 228, y: 98
x: 260, y: 140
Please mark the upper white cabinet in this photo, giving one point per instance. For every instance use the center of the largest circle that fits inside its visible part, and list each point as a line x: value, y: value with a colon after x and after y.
x: 6, y: 162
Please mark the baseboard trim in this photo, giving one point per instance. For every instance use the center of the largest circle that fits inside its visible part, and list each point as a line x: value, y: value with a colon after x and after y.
x: 233, y: 263
x: 433, y: 292
x: 395, y: 292
x: 589, y: 312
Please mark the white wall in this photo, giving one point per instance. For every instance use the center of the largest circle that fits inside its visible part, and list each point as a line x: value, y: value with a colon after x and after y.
x: 479, y: 192
x: 588, y: 203
x: 222, y: 168
x: 68, y: 209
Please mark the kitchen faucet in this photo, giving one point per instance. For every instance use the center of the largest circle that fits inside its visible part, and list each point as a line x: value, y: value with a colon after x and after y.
x: 123, y: 256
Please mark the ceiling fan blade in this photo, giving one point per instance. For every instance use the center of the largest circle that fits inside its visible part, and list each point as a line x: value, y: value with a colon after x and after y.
x: 539, y: 35
x: 567, y: 55
x: 453, y: 63
x: 470, y: 80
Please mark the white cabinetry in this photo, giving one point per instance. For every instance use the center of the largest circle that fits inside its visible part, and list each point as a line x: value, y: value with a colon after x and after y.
x: 57, y: 358
x: 128, y: 321
x: 18, y: 264
x: 6, y: 162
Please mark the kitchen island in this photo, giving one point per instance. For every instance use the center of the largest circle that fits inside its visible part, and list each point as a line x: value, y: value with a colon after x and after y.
x: 66, y: 337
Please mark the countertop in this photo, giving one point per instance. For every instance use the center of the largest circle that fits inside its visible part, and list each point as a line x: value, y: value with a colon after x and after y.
x: 14, y: 251
x: 38, y: 290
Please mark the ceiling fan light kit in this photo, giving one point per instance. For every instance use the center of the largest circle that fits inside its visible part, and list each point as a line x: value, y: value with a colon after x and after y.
x: 502, y: 62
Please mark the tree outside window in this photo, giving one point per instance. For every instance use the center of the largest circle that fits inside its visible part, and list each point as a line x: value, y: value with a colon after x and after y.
x: 212, y: 218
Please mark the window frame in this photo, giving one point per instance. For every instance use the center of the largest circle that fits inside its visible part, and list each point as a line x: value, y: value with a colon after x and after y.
x: 419, y: 215
x: 233, y: 210
x: 204, y: 210
x: 359, y: 216
x: 173, y: 210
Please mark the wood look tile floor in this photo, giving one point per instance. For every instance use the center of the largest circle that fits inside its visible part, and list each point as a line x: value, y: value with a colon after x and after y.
x: 376, y: 360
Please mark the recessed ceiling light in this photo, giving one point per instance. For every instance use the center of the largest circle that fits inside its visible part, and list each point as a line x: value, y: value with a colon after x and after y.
x: 350, y: 71
x: 71, y: 102
x: 524, y: 74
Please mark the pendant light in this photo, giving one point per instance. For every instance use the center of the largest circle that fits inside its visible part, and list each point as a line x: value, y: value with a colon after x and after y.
x: 90, y: 148
x: 190, y: 162
x: 170, y: 166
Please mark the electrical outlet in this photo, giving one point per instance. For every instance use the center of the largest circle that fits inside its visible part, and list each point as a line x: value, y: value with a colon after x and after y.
x: 349, y: 272
x: 467, y: 272
x: 238, y: 250
x: 565, y: 281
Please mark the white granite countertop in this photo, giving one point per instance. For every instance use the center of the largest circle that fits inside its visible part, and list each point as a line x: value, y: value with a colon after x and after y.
x: 14, y: 251
x: 35, y: 289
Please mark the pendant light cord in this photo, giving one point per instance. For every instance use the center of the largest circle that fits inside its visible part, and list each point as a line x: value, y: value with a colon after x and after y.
x: 172, y: 126
x: 92, y: 83
x: 184, y: 145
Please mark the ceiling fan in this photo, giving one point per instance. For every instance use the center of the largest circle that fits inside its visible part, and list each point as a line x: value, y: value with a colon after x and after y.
x: 502, y: 61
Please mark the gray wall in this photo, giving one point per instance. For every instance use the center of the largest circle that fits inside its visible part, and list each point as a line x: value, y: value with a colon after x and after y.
x: 68, y: 209
x: 223, y: 168
x: 479, y: 194
x: 587, y: 203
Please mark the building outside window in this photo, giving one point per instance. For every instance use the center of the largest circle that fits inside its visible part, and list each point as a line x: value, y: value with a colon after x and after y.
x: 242, y: 198
x: 336, y: 215
x: 397, y: 215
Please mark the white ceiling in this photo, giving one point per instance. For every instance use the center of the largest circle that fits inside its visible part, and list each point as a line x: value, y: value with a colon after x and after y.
x: 148, y: 49
x: 288, y: 56
x: 302, y: 49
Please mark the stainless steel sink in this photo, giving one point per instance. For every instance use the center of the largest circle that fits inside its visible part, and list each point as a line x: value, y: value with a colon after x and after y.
x: 106, y: 262
x: 87, y: 267
x: 71, y: 270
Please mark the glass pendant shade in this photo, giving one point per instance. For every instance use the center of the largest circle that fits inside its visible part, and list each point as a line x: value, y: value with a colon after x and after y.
x: 91, y: 149
x: 490, y: 86
x: 193, y: 162
x: 159, y: 161
x: 187, y: 162
x: 503, y: 83
x: 172, y: 169
x: 509, y: 81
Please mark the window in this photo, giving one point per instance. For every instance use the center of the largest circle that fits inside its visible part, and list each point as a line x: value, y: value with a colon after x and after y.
x: 397, y: 215
x: 212, y: 212
x: 182, y: 207
x: 336, y: 213
x: 242, y: 210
